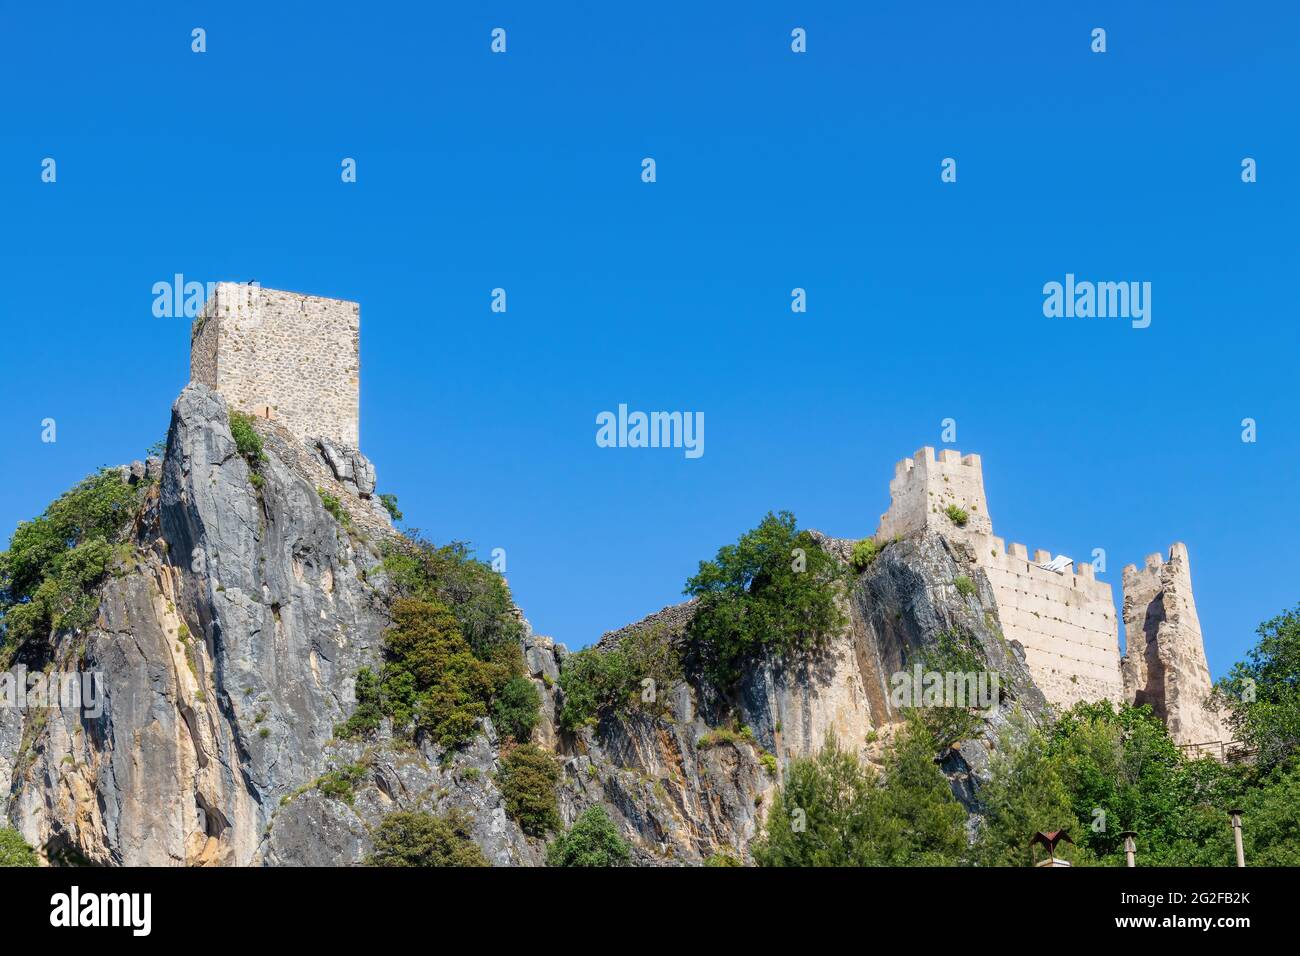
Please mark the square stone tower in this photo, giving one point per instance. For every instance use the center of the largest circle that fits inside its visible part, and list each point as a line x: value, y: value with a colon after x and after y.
x: 284, y: 356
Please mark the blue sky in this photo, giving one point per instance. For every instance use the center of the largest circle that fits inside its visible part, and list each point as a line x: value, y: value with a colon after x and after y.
x: 775, y: 171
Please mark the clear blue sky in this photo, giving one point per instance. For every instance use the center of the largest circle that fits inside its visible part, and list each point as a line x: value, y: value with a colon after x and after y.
x: 775, y: 170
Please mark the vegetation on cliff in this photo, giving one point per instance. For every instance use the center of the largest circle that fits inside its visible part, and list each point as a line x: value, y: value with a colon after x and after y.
x: 527, y: 781
x: 834, y: 811
x: 452, y: 656
x: 432, y: 682
x: 424, y: 839
x: 14, y: 851
x: 49, y: 575
x: 635, y: 675
x: 773, y: 591
x: 593, y: 840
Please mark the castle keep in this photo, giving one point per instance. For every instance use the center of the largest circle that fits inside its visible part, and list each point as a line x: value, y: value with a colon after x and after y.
x: 1063, y: 617
x: 284, y: 356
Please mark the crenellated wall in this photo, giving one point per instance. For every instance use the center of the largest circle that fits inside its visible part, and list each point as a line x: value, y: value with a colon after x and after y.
x: 1065, y: 620
x: 285, y: 356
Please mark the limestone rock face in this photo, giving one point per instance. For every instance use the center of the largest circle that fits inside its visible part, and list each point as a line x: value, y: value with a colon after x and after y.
x: 228, y: 646
x: 680, y: 801
x: 228, y: 652
x: 1165, y: 662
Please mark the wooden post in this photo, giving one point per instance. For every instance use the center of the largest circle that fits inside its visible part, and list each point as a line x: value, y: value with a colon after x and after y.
x: 1236, y: 836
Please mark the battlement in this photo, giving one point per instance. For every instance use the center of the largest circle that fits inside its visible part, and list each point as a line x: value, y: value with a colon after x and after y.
x: 282, y: 355
x: 1154, y: 564
x: 926, y: 485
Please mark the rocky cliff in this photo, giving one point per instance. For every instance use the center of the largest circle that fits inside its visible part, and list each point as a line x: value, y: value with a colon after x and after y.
x: 229, y: 641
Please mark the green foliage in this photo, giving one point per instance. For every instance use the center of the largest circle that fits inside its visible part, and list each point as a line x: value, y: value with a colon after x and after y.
x: 527, y: 782
x: 389, y: 501
x: 772, y: 592
x: 1025, y: 794
x: 431, y: 683
x: 1261, y: 695
x: 951, y: 652
x: 721, y: 859
x: 341, y: 782
x: 517, y: 708
x: 1123, y: 772
x: 249, y: 445
x: 957, y: 516
x: 335, y: 508
x: 1270, y: 821
x: 864, y: 552
x: 449, y: 574
x: 369, y: 711
x: 14, y: 851
x: 247, y: 441
x: 423, y: 839
x: 49, y: 573
x: 596, y: 681
x: 832, y: 811
x: 593, y: 840
x: 720, y: 736
x: 965, y: 586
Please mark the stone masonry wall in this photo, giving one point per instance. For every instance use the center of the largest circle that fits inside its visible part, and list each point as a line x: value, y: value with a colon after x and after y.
x: 291, y: 358
x: 1065, y: 620
x: 1165, y: 662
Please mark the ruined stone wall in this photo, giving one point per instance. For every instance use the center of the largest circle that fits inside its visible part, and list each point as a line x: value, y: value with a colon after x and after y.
x: 284, y: 356
x: 1065, y: 621
x: 1164, y: 664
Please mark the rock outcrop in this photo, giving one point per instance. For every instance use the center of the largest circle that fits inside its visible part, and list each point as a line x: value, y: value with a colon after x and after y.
x: 230, y: 640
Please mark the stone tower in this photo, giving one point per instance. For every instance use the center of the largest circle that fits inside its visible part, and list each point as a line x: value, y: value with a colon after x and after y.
x: 1060, y: 614
x: 1165, y: 661
x: 284, y: 356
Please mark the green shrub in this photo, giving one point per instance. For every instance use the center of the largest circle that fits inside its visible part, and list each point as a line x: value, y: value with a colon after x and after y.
x: 431, y: 683
x: 613, y: 680
x: 769, y: 763
x: 527, y: 782
x: 517, y: 708
x: 247, y: 441
x: 341, y: 783
x: 1260, y: 697
x: 54, y: 563
x: 449, y: 574
x: 864, y: 552
x: 721, y: 859
x: 14, y: 851
x: 369, y: 711
x: 423, y: 839
x: 593, y: 840
x: 965, y: 586
x: 772, y: 592
x: 390, y: 505
x: 833, y: 811
x: 725, y: 735
x: 335, y: 508
x: 957, y: 516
